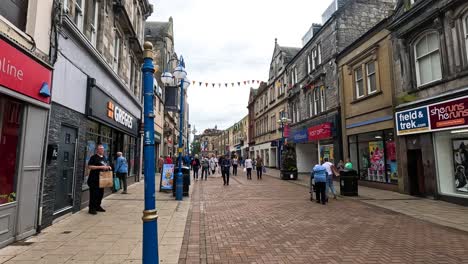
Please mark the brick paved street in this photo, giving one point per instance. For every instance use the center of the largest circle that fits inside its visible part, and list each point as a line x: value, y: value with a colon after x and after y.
x: 273, y: 221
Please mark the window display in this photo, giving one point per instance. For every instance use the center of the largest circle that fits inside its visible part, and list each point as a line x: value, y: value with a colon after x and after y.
x: 374, y: 156
x: 460, y: 162
x: 10, y: 127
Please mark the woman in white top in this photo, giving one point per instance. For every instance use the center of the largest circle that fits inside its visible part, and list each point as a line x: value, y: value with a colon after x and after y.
x: 213, y: 164
x: 249, y: 166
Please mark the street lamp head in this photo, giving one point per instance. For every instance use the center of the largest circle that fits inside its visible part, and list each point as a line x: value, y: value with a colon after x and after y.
x: 185, y: 83
x: 167, y: 78
x: 179, y: 72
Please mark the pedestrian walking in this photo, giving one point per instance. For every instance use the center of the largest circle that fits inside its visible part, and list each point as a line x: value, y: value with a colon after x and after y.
x: 213, y: 164
x: 168, y: 160
x: 205, y: 164
x: 121, y: 170
x: 235, y: 163
x: 259, y: 167
x: 319, y: 174
x: 195, y: 167
x: 96, y: 164
x: 220, y: 161
x: 225, y: 169
x: 160, y: 164
x: 329, y: 167
x: 248, y: 166
x: 340, y: 165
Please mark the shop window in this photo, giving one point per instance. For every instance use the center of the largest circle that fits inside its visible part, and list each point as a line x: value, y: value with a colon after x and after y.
x: 359, y: 83
x: 15, y: 12
x: 374, y: 156
x: 427, y: 59
x: 10, y: 128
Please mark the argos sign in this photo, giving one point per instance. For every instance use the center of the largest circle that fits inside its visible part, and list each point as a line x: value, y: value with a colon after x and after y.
x: 104, y: 108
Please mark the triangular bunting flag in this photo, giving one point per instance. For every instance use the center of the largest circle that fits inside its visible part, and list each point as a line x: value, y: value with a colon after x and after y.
x: 219, y: 85
x: 193, y: 82
x: 225, y: 84
x: 248, y: 82
x: 258, y: 81
x: 238, y: 83
x: 245, y: 82
x: 253, y: 81
x: 232, y: 84
x: 213, y: 84
x: 206, y: 84
x: 199, y: 83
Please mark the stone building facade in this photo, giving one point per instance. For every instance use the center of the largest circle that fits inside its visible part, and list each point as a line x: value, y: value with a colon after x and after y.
x: 97, y: 96
x: 430, y: 47
x: 367, y: 102
x: 312, y: 79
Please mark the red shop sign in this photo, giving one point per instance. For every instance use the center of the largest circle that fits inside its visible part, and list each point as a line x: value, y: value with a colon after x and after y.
x: 286, y: 131
x: 23, y: 74
x: 449, y: 114
x: 318, y: 132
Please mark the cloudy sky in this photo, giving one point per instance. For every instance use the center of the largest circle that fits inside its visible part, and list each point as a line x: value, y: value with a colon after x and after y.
x: 231, y: 41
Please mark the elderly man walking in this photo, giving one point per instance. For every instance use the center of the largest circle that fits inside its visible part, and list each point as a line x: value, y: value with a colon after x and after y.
x: 121, y: 170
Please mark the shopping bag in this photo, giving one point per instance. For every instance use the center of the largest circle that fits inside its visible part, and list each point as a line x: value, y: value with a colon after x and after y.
x: 105, y: 179
x: 245, y: 169
x: 116, y: 183
x: 264, y: 169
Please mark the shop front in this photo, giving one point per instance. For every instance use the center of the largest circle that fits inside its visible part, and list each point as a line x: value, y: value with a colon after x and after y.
x: 25, y: 84
x: 113, y: 126
x: 314, y: 143
x: 435, y: 138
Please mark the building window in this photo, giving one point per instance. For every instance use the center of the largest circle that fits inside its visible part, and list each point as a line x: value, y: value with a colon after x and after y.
x: 371, y: 78
x: 309, y: 64
x: 132, y: 75
x: 465, y: 29
x: 359, y: 83
x: 427, y: 59
x: 310, y: 105
x: 95, y: 23
x: 319, y: 55
x: 314, y: 56
x: 316, y: 101
x: 293, y: 76
x: 79, y: 13
x: 15, y: 12
x: 322, y: 99
x: 273, y: 122
x: 117, y: 43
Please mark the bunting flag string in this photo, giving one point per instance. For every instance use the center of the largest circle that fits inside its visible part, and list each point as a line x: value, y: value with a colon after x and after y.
x: 226, y: 84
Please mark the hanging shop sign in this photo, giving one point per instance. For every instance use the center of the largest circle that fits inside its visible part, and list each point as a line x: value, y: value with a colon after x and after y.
x: 20, y: 73
x: 321, y: 131
x: 445, y: 115
x: 102, y: 107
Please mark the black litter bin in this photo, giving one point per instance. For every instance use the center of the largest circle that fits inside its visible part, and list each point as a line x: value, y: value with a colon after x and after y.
x: 186, y: 180
x: 349, y: 183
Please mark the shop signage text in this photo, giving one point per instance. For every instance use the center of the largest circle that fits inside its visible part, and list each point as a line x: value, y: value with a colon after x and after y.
x: 21, y: 73
x: 300, y: 136
x: 104, y: 108
x: 439, y: 116
x: 412, y: 121
x: 318, y: 132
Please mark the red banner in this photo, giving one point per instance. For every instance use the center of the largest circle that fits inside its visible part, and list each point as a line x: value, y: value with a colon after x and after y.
x: 286, y: 131
x: 23, y: 74
x: 318, y: 132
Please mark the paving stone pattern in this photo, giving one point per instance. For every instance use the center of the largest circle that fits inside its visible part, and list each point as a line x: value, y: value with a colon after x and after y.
x: 273, y: 221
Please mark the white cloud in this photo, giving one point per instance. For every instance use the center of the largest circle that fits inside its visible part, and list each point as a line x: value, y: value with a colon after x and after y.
x: 231, y: 41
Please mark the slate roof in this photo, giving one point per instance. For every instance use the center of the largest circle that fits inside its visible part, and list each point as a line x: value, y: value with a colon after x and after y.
x: 156, y: 28
x: 289, y: 52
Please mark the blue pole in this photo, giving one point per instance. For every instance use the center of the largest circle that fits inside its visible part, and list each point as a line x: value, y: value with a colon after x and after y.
x: 150, y: 214
x: 179, y: 180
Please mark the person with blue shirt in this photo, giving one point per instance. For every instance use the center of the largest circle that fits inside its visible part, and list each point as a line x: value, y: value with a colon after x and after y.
x: 319, y: 174
x: 121, y: 170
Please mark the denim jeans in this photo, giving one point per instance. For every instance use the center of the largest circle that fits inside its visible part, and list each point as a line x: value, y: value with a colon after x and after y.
x: 330, y: 185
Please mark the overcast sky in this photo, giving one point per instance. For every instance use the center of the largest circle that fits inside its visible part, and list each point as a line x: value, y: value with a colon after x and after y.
x: 231, y: 41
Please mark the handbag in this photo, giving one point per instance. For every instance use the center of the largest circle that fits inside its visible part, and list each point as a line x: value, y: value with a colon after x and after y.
x: 105, y: 179
x: 116, y: 183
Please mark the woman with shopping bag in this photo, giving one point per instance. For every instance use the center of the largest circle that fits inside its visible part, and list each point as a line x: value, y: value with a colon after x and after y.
x: 99, y: 173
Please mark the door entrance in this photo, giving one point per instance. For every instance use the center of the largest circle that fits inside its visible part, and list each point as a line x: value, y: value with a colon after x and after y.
x: 65, y: 169
x: 416, y: 173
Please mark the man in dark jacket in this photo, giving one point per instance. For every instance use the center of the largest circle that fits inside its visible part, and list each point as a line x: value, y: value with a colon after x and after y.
x: 225, y: 168
x: 96, y: 164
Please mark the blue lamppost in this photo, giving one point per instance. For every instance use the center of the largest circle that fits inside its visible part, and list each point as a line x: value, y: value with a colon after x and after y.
x: 179, y: 74
x: 150, y: 214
